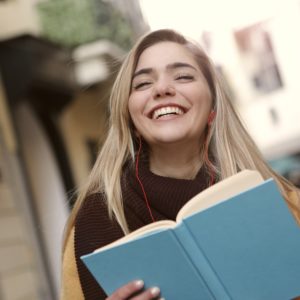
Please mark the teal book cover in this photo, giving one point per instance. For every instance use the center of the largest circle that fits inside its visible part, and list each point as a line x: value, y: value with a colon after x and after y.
x: 247, y: 247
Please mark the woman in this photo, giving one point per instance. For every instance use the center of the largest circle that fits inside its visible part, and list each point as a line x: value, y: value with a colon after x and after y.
x: 173, y: 132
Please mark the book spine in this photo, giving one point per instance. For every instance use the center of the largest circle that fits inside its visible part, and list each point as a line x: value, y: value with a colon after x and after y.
x: 200, y: 262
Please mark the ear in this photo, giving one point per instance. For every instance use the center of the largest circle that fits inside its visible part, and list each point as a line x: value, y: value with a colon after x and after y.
x: 211, y: 117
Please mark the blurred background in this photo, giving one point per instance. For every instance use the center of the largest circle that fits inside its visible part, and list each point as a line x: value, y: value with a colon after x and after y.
x: 58, y: 59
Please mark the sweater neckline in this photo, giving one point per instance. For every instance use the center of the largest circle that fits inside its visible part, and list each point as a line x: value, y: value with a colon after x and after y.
x: 166, y: 195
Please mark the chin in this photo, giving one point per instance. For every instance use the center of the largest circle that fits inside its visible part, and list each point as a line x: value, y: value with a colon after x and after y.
x: 170, y: 139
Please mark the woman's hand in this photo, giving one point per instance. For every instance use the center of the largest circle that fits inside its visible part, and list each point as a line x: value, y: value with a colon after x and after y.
x: 134, y: 291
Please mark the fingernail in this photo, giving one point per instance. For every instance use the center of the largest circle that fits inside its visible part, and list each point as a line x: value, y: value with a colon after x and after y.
x: 139, y: 283
x: 155, y: 291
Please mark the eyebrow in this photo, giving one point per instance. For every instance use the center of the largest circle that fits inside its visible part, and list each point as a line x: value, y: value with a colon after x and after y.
x: 172, y: 66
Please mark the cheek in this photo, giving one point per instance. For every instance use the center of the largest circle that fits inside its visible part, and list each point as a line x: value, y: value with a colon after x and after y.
x: 134, y: 110
x: 131, y: 106
x: 132, y: 103
x: 135, y: 106
x: 204, y: 100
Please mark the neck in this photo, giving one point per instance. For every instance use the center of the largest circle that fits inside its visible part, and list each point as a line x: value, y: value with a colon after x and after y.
x: 176, y: 162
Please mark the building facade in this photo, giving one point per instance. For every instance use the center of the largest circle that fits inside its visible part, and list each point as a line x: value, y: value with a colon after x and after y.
x: 53, y: 116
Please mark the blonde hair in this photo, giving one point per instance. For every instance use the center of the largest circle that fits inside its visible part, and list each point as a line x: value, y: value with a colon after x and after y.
x: 229, y: 143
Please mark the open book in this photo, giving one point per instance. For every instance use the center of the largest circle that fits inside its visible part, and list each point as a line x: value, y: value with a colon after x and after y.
x: 235, y: 240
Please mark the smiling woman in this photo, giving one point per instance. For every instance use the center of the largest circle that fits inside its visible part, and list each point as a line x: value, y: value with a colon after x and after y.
x: 173, y: 133
x: 170, y: 101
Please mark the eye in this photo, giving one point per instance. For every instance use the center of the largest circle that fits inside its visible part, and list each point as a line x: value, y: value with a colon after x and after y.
x: 141, y: 85
x: 184, y: 77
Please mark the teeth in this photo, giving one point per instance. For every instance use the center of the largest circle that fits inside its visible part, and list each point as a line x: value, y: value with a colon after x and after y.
x: 166, y: 111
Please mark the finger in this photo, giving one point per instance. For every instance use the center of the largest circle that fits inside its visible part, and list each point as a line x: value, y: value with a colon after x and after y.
x: 151, y: 293
x: 127, y: 290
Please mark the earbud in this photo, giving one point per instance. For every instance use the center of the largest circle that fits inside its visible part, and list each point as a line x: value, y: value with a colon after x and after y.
x: 211, y: 117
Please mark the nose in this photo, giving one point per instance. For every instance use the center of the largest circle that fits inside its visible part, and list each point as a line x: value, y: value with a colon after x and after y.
x: 163, y: 88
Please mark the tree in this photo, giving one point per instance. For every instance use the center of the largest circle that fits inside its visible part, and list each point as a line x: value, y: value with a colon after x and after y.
x: 75, y: 22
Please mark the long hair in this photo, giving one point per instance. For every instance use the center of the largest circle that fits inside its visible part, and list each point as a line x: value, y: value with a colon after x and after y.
x: 228, y: 142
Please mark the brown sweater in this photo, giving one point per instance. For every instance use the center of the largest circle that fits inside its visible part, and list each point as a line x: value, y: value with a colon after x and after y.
x: 94, y: 229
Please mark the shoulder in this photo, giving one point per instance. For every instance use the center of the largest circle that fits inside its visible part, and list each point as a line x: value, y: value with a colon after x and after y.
x: 93, y: 204
x: 93, y: 214
x: 93, y: 226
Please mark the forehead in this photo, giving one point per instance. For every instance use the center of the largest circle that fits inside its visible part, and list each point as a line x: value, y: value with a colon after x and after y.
x: 163, y: 54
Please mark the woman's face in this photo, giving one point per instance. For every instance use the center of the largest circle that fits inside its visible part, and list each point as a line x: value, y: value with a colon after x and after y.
x: 170, y: 100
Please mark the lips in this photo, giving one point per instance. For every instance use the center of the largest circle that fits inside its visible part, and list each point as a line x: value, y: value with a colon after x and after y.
x: 160, y: 112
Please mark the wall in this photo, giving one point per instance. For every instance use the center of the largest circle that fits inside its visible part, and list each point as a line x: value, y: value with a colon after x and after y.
x: 17, y: 17
x: 21, y: 264
x: 271, y: 118
x: 83, y: 120
x: 280, y: 136
x: 49, y: 196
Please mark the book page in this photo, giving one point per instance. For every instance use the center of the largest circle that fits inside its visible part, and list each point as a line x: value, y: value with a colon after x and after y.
x: 159, y: 225
x: 220, y: 192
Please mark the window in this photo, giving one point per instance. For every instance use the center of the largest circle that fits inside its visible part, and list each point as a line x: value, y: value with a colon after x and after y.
x: 256, y: 49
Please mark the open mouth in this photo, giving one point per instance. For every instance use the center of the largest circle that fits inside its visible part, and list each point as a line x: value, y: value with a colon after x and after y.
x: 166, y: 111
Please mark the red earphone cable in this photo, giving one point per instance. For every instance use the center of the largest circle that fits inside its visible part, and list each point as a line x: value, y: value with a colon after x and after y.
x: 206, y: 157
x: 140, y: 182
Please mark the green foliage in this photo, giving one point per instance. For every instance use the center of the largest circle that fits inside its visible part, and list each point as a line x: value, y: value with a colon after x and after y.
x: 75, y: 22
